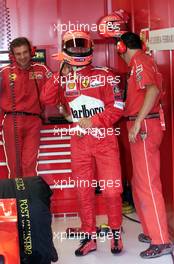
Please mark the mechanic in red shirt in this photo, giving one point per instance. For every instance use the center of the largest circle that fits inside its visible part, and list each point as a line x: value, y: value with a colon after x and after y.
x: 145, y: 125
x: 21, y: 84
x: 94, y: 104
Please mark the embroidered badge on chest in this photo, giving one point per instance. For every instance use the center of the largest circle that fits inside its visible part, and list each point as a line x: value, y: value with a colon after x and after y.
x: 85, y: 83
x: 35, y: 75
x: 12, y: 77
x: 71, y: 88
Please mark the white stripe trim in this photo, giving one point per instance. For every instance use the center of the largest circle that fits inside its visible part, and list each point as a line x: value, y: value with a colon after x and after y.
x: 150, y: 186
x: 7, y: 67
x: 54, y: 138
x: 55, y: 146
x: 45, y: 154
x: 54, y: 171
x: 1, y: 143
x: 3, y: 163
x: 39, y: 64
x: 54, y: 161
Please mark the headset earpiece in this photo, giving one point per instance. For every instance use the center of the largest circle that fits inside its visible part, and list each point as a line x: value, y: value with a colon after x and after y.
x: 121, y: 47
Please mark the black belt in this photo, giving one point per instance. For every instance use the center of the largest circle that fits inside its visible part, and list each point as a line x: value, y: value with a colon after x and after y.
x: 22, y: 113
x: 149, y: 116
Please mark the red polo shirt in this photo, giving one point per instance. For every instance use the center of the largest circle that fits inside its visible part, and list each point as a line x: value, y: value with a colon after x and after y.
x: 143, y: 72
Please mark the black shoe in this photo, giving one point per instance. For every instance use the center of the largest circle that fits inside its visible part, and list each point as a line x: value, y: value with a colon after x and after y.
x: 54, y: 255
x: 155, y: 251
x: 87, y: 245
x: 143, y: 238
x: 116, y: 242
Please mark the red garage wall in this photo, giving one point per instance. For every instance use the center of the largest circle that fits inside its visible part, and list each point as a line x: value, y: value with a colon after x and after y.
x: 158, y: 14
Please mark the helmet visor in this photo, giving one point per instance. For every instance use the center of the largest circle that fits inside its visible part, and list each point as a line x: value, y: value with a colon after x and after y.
x: 78, y: 45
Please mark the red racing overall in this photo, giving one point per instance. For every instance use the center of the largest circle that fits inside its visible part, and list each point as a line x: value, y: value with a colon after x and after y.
x: 145, y: 153
x: 27, y: 110
x: 92, y: 95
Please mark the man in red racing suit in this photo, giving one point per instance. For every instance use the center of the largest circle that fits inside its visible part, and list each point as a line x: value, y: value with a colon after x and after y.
x: 93, y: 97
x: 145, y: 123
x: 21, y: 84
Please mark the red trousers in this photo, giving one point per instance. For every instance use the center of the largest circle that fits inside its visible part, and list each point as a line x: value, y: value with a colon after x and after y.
x: 88, y: 153
x: 146, y: 184
x: 28, y: 137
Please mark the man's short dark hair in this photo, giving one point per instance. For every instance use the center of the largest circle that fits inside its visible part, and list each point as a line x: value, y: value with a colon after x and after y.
x: 131, y: 40
x: 17, y: 42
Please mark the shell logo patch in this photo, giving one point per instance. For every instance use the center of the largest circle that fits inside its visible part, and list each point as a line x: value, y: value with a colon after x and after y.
x: 71, y: 85
x: 71, y: 89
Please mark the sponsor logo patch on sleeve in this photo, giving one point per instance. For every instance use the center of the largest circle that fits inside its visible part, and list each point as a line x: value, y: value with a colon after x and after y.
x: 139, y: 70
x: 48, y: 74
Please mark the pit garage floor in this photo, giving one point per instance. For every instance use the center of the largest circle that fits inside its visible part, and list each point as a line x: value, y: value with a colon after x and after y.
x: 130, y: 254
